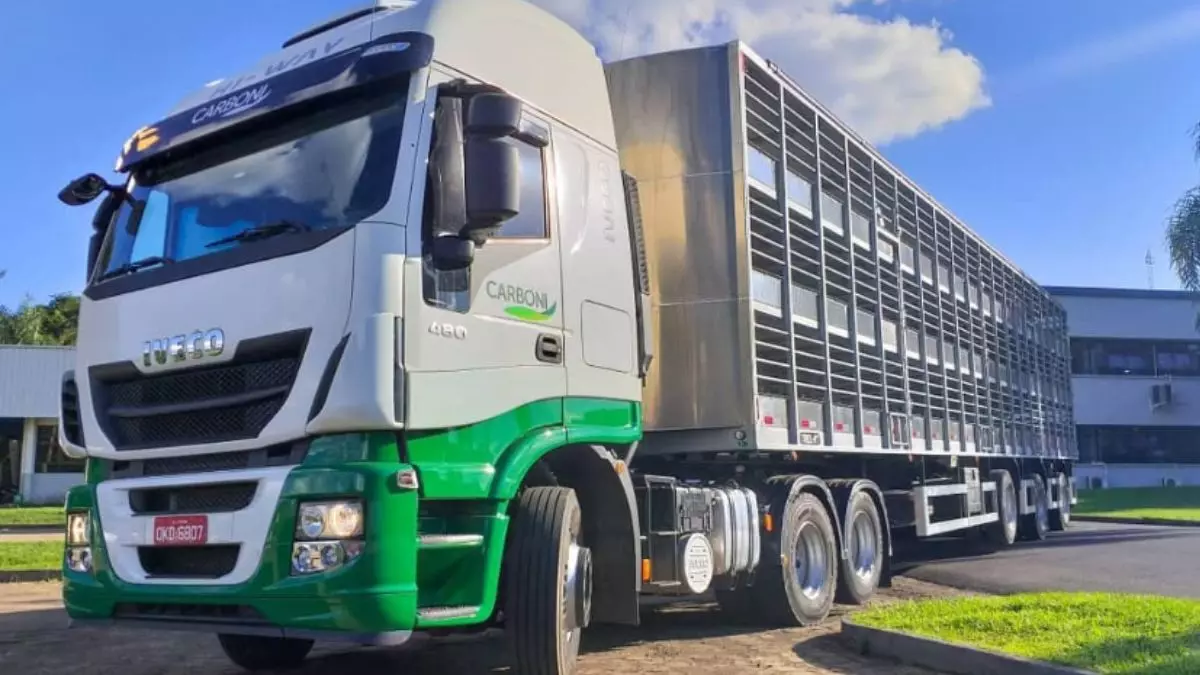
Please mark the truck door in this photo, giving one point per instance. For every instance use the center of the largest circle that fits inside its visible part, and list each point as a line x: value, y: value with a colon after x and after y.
x: 488, y: 340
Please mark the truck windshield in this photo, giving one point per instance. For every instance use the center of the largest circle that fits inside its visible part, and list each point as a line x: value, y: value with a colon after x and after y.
x: 321, y: 170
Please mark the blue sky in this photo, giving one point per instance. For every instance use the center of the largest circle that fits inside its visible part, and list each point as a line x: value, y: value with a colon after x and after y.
x: 1070, y: 169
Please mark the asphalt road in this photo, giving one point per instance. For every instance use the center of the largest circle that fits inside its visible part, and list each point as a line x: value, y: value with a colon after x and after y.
x: 1087, y: 557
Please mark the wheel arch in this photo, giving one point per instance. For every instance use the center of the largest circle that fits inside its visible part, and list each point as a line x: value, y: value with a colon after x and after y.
x: 787, y: 488
x: 610, y: 520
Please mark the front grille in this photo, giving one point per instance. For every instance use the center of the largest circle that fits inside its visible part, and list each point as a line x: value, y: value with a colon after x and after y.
x: 207, y: 404
x: 220, y: 498
x: 189, y: 612
x: 288, y: 454
x: 188, y: 562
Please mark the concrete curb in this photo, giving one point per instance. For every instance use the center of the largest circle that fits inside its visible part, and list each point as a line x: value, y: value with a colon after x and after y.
x: 944, y: 656
x: 25, y: 576
x: 1135, y: 521
x: 32, y: 529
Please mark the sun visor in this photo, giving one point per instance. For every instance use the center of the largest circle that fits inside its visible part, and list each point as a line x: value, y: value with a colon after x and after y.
x: 383, y: 57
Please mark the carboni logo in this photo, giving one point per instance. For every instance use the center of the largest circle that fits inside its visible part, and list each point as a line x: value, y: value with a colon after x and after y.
x: 525, y: 304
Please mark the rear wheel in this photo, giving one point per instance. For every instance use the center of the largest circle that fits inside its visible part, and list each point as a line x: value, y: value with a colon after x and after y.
x: 1003, y: 532
x: 800, y: 590
x: 863, y: 564
x: 255, y: 652
x: 1035, y: 526
x: 549, y: 582
x: 1060, y: 518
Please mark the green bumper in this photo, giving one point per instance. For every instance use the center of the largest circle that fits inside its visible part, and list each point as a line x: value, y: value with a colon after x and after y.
x: 376, y: 599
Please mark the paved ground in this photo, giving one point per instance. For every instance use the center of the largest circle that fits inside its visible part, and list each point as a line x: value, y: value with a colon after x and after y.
x: 1087, y: 557
x: 692, y: 638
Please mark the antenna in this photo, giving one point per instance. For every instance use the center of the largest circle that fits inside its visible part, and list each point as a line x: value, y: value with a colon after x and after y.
x: 1150, y: 268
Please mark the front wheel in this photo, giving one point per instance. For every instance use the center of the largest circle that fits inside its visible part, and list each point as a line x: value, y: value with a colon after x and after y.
x: 257, y: 653
x: 549, y: 582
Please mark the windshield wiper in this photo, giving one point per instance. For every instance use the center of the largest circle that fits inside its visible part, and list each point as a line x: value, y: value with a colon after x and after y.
x: 259, y: 232
x: 131, y: 267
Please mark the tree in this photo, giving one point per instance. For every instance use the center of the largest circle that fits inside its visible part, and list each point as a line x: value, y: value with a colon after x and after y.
x: 1183, y: 233
x: 52, y: 323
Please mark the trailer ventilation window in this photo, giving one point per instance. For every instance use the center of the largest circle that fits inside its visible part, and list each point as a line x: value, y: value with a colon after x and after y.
x: 871, y: 423
x: 843, y: 419
x: 772, y: 411
x: 907, y: 258
x: 926, y: 268
x: 767, y: 292
x: 860, y: 230
x: 811, y: 415
x: 799, y: 194
x: 831, y: 214
x: 912, y: 343
x: 837, y: 315
x: 891, y: 339
x: 865, y: 326
x: 762, y: 170
x: 804, y: 306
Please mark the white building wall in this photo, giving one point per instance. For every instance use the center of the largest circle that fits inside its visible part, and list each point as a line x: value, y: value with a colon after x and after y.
x: 30, y: 389
x: 1124, y: 400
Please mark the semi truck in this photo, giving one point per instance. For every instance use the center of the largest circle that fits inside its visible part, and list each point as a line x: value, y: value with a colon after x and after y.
x: 433, y: 322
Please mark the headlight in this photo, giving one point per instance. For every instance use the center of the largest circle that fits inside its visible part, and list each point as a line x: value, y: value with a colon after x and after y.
x: 78, y: 526
x: 329, y: 520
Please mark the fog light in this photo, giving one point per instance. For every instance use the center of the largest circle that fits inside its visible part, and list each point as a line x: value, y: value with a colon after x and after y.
x: 321, y: 556
x: 79, y: 559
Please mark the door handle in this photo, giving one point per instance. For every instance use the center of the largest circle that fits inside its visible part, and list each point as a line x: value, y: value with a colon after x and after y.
x: 548, y: 349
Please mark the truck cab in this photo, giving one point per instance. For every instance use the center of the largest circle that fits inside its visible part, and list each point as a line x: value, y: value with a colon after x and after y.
x: 340, y: 309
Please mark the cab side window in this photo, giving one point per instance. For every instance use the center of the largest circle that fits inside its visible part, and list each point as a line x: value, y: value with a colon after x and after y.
x: 531, y: 222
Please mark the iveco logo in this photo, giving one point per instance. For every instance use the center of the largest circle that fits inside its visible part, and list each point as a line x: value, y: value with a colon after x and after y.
x: 198, y: 345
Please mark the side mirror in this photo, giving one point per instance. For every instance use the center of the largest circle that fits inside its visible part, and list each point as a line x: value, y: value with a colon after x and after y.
x: 83, y: 190
x: 450, y: 254
x: 494, y: 115
x: 101, y: 222
x: 493, y: 181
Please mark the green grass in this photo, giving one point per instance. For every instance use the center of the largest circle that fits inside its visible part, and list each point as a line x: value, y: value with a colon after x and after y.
x: 1103, y: 632
x: 1177, y: 503
x: 31, y: 555
x: 32, y: 515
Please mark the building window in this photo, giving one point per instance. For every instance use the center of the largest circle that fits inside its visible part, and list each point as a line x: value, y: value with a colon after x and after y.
x: 865, y: 326
x: 907, y: 258
x: 1138, y: 445
x: 831, y: 214
x: 837, y: 316
x: 767, y: 292
x: 49, y: 456
x: 804, y: 306
x: 943, y: 277
x: 1099, y: 356
x: 912, y: 343
x: 762, y: 170
x: 891, y: 338
x: 860, y: 230
x: 931, y: 349
x: 926, y: 268
x: 799, y: 194
x: 887, y: 250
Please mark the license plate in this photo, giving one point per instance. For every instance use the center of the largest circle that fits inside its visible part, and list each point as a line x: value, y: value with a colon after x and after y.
x: 180, y: 530
x: 810, y: 438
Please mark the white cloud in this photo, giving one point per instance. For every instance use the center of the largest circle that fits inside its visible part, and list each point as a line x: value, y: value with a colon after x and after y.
x: 890, y: 79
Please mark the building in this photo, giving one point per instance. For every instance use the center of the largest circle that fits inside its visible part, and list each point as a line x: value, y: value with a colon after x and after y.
x: 1135, y: 362
x: 33, y: 467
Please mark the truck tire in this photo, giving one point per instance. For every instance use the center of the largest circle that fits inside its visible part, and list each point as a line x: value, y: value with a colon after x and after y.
x: 1035, y: 526
x: 800, y: 590
x: 1060, y: 518
x: 863, y: 564
x: 257, y: 652
x: 548, y: 582
x: 1003, y: 532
